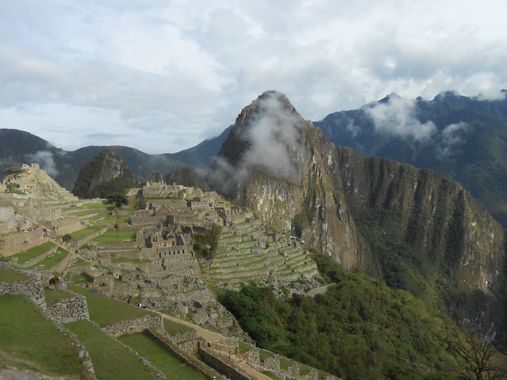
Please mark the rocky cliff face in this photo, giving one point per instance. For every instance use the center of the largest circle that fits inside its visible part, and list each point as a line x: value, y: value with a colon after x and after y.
x: 412, y: 227
x: 104, y: 174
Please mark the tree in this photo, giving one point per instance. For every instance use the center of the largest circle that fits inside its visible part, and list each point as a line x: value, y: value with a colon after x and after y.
x: 477, y: 359
x: 117, y: 199
x: 66, y: 238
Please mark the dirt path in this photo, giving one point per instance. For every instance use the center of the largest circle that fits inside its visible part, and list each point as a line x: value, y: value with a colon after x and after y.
x: 319, y: 290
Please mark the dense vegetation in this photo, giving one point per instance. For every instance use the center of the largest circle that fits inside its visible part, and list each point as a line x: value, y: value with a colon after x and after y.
x: 358, y: 329
x: 205, y: 244
x: 103, y: 175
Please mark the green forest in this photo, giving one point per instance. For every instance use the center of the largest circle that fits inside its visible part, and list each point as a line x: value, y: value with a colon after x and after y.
x: 359, y: 329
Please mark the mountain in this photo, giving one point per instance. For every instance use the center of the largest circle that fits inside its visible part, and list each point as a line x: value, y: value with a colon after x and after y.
x: 203, y: 154
x: 105, y: 173
x: 413, y: 228
x: 186, y: 176
x: 17, y: 147
x: 462, y: 138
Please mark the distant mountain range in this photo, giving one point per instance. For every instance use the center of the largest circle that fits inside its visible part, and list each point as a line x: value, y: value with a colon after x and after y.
x: 22, y: 147
x: 463, y: 138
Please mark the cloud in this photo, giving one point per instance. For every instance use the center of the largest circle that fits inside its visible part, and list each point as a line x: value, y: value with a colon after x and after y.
x: 167, y: 74
x: 46, y: 161
x: 397, y: 116
x: 273, y: 143
x: 452, y: 136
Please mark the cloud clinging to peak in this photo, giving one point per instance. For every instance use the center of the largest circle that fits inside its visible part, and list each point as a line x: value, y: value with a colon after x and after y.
x: 163, y: 75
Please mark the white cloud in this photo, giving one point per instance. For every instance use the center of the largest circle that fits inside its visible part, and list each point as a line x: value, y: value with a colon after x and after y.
x: 167, y: 74
x: 45, y: 160
x: 451, y: 137
x: 397, y: 116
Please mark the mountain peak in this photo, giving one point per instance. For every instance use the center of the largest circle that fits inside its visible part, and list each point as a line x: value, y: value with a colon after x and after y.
x: 104, y: 173
x: 266, y: 137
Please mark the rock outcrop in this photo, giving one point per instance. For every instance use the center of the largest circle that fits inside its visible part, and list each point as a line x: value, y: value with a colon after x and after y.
x: 106, y: 173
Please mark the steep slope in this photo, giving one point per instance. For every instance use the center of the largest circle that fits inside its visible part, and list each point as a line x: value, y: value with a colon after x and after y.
x: 414, y: 228
x: 104, y: 174
x: 460, y: 137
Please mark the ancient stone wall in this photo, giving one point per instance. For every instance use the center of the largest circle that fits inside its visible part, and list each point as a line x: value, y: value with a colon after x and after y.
x: 187, y: 341
x: 19, y: 241
x: 133, y: 326
x: 69, y: 309
x: 175, y: 349
x: 282, y: 367
x: 214, y: 360
x: 32, y: 288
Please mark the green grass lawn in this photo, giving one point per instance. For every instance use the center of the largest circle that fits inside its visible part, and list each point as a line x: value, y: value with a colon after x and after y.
x: 52, y: 296
x: 9, y: 275
x: 80, y: 262
x: 78, y: 279
x: 244, y: 347
x: 111, y: 360
x: 165, y: 361
x: 110, y: 219
x: 26, y: 334
x: 29, y: 254
x: 272, y: 375
x: 98, y: 205
x: 119, y: 260
x: 78, y: 235
x: 173, y: 328
x: 80, y: 212
x: 53, y: 259
x: 113, y: 236
x: 105, y: 310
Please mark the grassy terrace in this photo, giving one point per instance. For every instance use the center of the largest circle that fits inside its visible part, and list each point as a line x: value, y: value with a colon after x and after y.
x: 111, y: 359
x: 27, y: 335
x: 80, y: 234
x: 52, y: 296
x: 105, y: 310
x: 9, y: 275
x: 114, y: 236
x: 53, y: 259
x: 32, y: 253
x: 169, y: 364
x: 173, y: 328
x: 120, y: 260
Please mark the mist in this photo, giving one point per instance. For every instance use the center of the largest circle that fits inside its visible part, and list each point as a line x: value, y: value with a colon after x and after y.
x: 46, y: 161
x: 397, y: 116
x: 273, y: 137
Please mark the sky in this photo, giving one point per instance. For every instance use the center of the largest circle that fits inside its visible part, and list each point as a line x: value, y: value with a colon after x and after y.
x: 161, y: 76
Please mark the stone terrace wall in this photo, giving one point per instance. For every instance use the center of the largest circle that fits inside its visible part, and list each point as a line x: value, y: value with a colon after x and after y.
x: 133, y: 326
x: 187, y: 341
x: 283, y: 367
x: 211, y: 358
x: 32, y: 288
x: 190, y: 359
x: 69, y: 309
